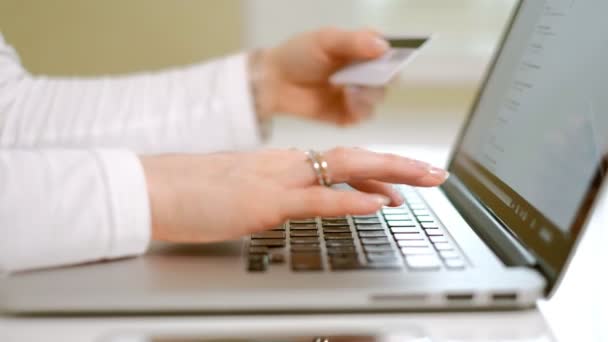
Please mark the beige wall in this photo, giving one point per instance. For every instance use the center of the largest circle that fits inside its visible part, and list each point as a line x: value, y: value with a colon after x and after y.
x: 89, y: 37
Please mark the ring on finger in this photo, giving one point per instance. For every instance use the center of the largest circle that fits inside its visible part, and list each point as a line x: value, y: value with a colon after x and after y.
x: 319, y: 166
x: 324, y: 169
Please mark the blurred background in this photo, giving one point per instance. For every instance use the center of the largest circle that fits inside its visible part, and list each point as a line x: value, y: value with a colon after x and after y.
x: 425, y: 106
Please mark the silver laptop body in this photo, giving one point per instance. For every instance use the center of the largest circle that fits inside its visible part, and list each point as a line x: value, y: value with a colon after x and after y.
x: 526, y: 176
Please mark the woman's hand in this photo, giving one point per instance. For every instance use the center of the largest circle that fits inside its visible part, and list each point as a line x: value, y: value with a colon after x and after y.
x: 204, y: 198
x: 293, y: 77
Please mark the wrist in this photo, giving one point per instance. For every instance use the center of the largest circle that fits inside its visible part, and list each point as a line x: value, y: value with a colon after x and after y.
x: 156, y: 193
x: 263, y: 83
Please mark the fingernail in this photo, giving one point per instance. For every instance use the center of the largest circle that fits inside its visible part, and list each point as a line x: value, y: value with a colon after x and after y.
x: 381, y: 44
x: 382, y: 200
x: 439, y: 173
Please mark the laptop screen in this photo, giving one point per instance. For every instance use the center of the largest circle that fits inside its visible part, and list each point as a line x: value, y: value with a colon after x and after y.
x: 535, y: 149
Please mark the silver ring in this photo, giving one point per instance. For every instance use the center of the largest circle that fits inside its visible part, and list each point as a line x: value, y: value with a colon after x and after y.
x: 324, y: 169
x: 320, y: 167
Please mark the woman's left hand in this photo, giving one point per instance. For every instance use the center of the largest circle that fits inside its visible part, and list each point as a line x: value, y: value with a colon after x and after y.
x: 294, y: 76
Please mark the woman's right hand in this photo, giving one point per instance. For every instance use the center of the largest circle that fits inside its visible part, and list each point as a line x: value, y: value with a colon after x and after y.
x: 214, y: 197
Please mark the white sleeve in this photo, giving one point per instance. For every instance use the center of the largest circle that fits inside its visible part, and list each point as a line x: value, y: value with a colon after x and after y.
x: 199, y: 108
x: 60, y: 207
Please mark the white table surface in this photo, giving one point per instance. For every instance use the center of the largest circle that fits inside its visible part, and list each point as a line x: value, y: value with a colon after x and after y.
x: 578, y: 312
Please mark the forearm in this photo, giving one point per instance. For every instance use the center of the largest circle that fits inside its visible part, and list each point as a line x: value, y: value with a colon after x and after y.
x: 198, y: 108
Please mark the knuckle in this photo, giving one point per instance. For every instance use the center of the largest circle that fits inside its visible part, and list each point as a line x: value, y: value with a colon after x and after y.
x: 390, y: 160
x: 340, y: 154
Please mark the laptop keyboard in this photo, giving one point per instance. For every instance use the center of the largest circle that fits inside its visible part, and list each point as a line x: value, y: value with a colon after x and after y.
x: 396, y: 238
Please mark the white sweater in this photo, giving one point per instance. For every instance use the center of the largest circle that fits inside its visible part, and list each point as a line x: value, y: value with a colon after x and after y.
x: 72, y: 188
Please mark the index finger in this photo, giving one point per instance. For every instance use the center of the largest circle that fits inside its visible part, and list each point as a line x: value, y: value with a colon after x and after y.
x: 350, y: 45
x: 352, y: 164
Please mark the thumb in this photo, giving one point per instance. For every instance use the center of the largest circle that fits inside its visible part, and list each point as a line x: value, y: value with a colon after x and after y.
x: 352, y: 45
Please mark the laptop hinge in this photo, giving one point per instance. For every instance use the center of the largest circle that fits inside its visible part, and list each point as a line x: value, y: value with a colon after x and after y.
x: 487, y: 226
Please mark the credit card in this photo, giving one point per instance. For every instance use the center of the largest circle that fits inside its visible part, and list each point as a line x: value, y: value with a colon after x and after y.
x: 380, y: 71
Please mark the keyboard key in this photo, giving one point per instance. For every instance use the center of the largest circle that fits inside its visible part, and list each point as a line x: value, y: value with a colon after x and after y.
x: 436, y: 239
x: 399, y: 210
x: 258, y: 250
x: 382, y: 256
x: 397, y: 217
x: 281, y: 227
x: 310, y: 220
x: 268, y: 242
x: 336, y: 230
x: 343, y: 256
x: 277, y: 258
x: 433, y: 232
x: 396, y: 230
x: 412, y: 198
x: 335, y: 224
x: 443, y: 246
x: 341, y: 250
x: 340, y: 219
x: 371, y: 216
x: 421, y: 212
x: 449, y: 254
x: 338, y: 236
x: 339, y: 243
x: 418, y: 206
x: 420, y: 262
x: 412, y: 243
x: 313, y: 247
x: 425, y: 218
x: 304, y: 233
x: 306, y: 262
x: 372, y: 233
x: 385, y: 264
x: 271, y: 234
x: 304, y: 240
x: 374, y: 241
x: 257, y: 262
x: 345, y: 263
x: 454, y: 263
x: 402, y: 223
x: 303, y: 226
x: 370, y: 227
x: 361, y: 221
x: 378, y: 248
x: 429, y: 225
x: 416, y: 250
x: 408, y: 236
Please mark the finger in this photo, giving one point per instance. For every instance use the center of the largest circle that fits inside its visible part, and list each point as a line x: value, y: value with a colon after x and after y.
x: 321, y: 201
x: 370, y: 95
x: 376, y: 187
x: 348, y: 165
x: 360, y: 102
x: 352, y: 45
x: 357, y: 109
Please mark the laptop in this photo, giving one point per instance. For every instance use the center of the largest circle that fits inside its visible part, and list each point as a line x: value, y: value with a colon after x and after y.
x: 526, y: 176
